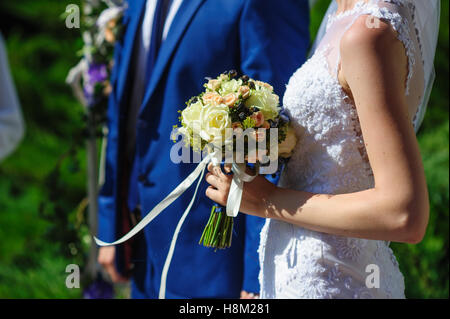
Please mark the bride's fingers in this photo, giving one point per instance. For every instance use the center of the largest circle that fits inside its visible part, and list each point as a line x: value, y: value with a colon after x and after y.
x: 212, y: 193
x: 216, y: 170
x: 216, y: 195
x: 227, y: 167
x: 212, y: 179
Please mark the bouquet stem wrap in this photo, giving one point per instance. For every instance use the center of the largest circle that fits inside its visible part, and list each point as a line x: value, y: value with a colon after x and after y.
x: 219, y: 229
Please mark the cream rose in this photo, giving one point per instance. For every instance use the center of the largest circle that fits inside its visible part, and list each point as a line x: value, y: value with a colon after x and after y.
x: 214, y: 120
x: 191, y: 114
x: 185, y: 133
x: 213, y: 85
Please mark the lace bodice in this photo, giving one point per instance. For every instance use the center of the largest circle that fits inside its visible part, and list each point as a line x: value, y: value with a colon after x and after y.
x: 330, y: 158
x: 400, y: 14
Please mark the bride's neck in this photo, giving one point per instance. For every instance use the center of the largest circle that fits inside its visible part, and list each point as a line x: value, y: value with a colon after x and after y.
x: 345, y: 5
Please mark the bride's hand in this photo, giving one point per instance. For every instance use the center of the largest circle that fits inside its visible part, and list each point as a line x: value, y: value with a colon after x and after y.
x: 254, y: 196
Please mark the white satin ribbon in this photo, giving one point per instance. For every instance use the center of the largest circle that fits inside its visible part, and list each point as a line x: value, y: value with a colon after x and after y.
x: 233, y: 204
x: 162, y: 287
x: 237, y: 187
x: 177, y: 192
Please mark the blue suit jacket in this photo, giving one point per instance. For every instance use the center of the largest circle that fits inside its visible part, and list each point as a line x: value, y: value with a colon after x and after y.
x: 265, y: 39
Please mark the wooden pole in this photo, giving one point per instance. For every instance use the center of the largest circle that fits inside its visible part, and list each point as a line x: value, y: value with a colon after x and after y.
x: 92, y: 188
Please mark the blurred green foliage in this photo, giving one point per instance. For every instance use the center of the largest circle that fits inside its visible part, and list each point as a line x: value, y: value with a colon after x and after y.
x: 41, y: 50
x: 32, y: 261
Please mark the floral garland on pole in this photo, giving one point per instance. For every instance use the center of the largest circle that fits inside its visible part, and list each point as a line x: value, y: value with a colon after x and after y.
x: 89, y: 79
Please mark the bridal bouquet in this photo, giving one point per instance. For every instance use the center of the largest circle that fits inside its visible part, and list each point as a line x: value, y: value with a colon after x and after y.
x: 237, y: 121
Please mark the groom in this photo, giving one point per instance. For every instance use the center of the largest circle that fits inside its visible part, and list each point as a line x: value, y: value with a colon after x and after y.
x: 167, y: 50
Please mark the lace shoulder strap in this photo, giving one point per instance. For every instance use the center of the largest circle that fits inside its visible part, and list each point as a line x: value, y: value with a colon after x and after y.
x: 400, y: 15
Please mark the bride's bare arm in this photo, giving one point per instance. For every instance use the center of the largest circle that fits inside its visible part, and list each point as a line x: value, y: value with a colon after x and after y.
x: 374, y: 68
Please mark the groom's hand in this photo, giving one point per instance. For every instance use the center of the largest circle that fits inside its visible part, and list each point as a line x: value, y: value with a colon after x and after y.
x: 106, y: 257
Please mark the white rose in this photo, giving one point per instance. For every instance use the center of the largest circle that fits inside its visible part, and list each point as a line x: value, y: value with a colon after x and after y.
x: 213, y: 84
x: 185, y: 135
x: 214, y: 120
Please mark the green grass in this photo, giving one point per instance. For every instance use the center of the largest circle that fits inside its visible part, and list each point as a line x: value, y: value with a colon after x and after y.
x: 34, y: 250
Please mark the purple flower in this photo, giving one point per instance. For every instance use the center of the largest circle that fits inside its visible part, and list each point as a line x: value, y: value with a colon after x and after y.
x: 96, y: 74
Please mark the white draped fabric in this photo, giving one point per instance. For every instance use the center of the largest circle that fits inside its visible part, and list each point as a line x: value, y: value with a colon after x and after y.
x: 11, y: 122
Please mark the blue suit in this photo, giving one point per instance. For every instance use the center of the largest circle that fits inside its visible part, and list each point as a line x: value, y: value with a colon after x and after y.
x: 265, y: 39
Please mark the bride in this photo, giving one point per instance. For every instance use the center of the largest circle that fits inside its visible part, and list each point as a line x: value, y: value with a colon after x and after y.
x: 355, y: 180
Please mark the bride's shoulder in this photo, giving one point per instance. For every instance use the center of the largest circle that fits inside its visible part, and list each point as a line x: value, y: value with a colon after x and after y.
x: 369, y: 34
x: 368, y: 30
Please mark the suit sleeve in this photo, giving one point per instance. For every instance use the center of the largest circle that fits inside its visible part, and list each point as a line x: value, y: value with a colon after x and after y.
x: 106, y: 198
x: 274, y: 39
x: 107, y: 210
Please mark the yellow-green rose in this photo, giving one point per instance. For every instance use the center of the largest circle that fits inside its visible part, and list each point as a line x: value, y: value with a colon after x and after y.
x: 231, y: 86
x: 265, y: 101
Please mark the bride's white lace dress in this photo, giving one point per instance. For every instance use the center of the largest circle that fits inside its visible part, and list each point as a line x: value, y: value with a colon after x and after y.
x: 330, y: 158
